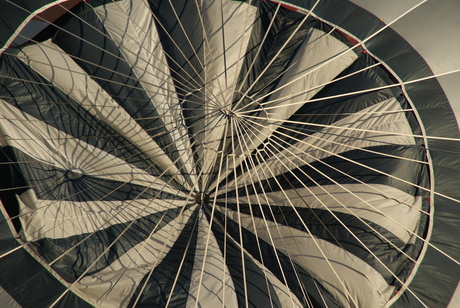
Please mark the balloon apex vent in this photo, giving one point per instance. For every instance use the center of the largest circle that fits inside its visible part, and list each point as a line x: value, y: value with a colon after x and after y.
x: 74, y: 174
x: 202, y: 198
x: 227, y: 112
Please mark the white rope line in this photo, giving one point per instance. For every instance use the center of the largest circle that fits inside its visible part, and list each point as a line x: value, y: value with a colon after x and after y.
x: 272, y: 243
x: 153, y: 267
x: 118, y: 237
x: 141, y: 81
x: 240, y: 51
x: 224, y: 255
x: 338, y: 170
x: 360, y: 43
x: 163, y: 247
x: 239, y: 219
x: 108, y: 221
x: 323, y: 254
x: 211, y: 219
x: 95, y: 261
x: 241, y: 143
x: 188, y: 41
x: 128, y: 266
x: 126, y: 158
x: 212, y: 56
x: 277, y: 54
x: 72, y: 195
x: 292, y: 65
x: 181, y: 263
x: 261, y: 44
x: 147, y: 51
x: 278, y: 121
x: 83, y: 40
x: 343, y: 224
x: 383, y: 173
x: 329, y: 194
x: 121, y: 59
x: 322, y: 203
x: 376, y: 170
x: 51, y: 203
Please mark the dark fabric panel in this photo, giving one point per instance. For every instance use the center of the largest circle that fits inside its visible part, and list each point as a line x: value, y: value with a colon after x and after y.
x: 435, y: 266
x: 99, y: 56
x: 182, y: 39
x: 406, y: 170
x: 329, y: 111
x: 259, y: 294
x: 13, y: 14
x: 345, y: 14
x: 443, y: 271
x: 272, y: 259
x: 12, y: 183
x: 324, y: 225
x: 75, y: 262
x: 71, y: 300
x: 7, y: 239
x: 41, y: 100
x: 438, y: 120
x: 52, y: 183
x: 30, y: 284
x: 285, y: 24
x: 159, y: 285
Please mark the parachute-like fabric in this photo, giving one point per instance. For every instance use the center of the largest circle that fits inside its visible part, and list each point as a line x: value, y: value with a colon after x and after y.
x: 224, y: 153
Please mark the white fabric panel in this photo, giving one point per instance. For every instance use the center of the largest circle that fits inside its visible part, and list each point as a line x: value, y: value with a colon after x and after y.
x: 67, y: 76
x: 61, y: 219
x: 133, y: 29
x: 284, y: 294
x: 217, y: 284
x: 364, y: 284
x: 338, y: 140
x: 311, y: 69
x: 227, y: 26
x: 55, y: 148
x: 455, y: 300
x: 130, y: 268
x: 6, y: 301
x: 391, y: 208
x: 215, y: 129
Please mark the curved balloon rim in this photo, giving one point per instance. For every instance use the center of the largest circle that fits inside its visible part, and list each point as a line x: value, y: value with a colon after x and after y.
x: 418, y: 96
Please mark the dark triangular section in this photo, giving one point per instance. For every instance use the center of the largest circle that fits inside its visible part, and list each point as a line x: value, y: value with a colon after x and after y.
x: 31, y: 284
x: 12, y: 183
x: 253, y: 282
x: 348, y: 168
x: 77, y: 260
x: 298, y: 280
x: 182, y: 40
x: 43, y: 101
x: 322, y: 224
x: 53, y: 183
x: 157, y: 287
x: 88, y: 42
x: 285, y: 24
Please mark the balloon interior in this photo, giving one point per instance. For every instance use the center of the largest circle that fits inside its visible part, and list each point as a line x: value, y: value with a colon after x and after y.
x: 217, y: 153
